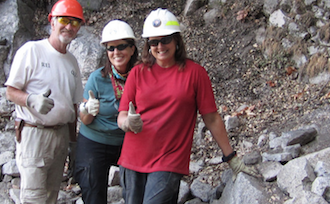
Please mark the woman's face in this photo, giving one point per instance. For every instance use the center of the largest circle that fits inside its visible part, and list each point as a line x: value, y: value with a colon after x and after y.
x: 163, y: 49
x: 119, y: 54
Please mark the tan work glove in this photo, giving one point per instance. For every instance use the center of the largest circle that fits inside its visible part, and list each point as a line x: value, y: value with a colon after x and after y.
x: 40, y: 102
x: 92, y: 106
x: 133, y: 121
x: 237, y: 165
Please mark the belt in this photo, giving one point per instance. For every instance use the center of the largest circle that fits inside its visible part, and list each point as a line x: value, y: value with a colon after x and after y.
x: 43, y: 126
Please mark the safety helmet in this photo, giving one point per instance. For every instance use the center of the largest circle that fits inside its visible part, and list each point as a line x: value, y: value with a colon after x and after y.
x: 71, y: 8
x: 116, y: 30
x: 160, y: 22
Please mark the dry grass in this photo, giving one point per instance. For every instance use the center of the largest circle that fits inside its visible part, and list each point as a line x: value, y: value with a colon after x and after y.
x: 324, y: 33
x: 318, y: 63
x: 272, y: 45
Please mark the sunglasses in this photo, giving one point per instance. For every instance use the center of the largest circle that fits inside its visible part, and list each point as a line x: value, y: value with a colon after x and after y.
x: 165, y: 40
x: 66, y: 21
x: 119, y: 47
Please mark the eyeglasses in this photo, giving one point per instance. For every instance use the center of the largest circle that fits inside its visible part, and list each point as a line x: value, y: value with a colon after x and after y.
x: 165, y: 40
x: 119, y: 47
x: 66, y: 21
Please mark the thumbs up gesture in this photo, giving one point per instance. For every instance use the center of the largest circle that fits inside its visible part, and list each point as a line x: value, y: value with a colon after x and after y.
x: 92, y: 106
x: 40, y: 102
x: 133, y: 121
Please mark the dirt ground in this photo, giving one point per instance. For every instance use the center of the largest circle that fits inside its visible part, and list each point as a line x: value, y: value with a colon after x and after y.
x: 276, y: 100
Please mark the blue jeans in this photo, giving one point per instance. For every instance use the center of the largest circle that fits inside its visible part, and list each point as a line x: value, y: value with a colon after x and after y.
x: 93, y: 162
x: 150, y: 188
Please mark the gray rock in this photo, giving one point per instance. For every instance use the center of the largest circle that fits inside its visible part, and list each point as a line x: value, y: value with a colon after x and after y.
x: 6, y: 157
x: 279, y: 157
x: 194, y: 201
x: 91, y: 4
x: 14, y: 194
x: 295, y: 177
x: 201, y: 189
x: 322, y: 169
x: 262, y: 140
x: 245, y: 189
x: 231, y: 122
x: 307, y: 197
x: 301, y: 136
x: 88, y: 51
x: 183, y: 192
x: 252, y: 158
x: 10, y: 168
x: 293, y: 150
x: 270, y: 170
x: 320, y: 185
x: 195, y: 167
x: 270, y: 6
x: 114, y: 194
x: 192, y: 6
x: 114, y: 177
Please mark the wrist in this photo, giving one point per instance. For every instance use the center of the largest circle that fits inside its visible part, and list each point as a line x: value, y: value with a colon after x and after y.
x: 229, y: 157
x: 124, y: 126
x: 83, y: 108
x: 27, y: 102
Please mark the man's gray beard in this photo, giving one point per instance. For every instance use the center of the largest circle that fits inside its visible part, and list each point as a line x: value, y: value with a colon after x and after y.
x: 65, y: 40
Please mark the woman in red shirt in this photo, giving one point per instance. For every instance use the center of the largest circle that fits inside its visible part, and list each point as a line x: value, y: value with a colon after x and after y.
x: 166, y: 90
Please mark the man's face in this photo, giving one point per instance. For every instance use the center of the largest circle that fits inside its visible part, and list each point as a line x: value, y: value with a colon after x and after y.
x: 65, y: 28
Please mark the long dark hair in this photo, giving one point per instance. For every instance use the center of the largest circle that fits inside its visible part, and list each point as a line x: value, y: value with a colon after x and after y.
x: 134, y: 58
x: 180, y: 54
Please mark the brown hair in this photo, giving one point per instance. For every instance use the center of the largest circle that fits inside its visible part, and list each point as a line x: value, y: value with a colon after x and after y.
x: 134, y: 58
x: 180, y: 54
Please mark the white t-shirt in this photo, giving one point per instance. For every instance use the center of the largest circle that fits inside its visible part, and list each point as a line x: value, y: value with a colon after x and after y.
x: 37, y: 67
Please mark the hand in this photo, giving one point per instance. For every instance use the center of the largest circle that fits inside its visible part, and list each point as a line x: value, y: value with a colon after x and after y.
x: 40, y: 102
x: 92, y: 106
x: 237, y: 166
x: 133, y: 121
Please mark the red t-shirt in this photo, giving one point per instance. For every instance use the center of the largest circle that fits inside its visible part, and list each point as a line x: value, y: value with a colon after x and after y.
x: 168, y: 101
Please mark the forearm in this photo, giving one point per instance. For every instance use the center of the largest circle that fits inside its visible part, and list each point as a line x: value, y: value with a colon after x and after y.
x: 17, y: 96
x: 86, y: 118
x: 214, y: 123
x: 121, y: 118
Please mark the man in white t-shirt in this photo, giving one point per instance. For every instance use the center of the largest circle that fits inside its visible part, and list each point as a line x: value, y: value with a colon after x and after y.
x: 45, y: 85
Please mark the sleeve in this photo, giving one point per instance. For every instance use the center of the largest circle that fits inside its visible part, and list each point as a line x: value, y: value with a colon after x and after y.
x: 79, y: 88
x: 205, y: 96
x: 91, y: 85
x: 21, y: 68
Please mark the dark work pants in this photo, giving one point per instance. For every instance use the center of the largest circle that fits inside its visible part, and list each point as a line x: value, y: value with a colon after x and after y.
x: 93, y: 162
x: 150, y: 188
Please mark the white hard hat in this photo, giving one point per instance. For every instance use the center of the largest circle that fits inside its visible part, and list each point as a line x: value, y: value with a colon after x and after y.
x: 160, y: 22
x: 116, y: 30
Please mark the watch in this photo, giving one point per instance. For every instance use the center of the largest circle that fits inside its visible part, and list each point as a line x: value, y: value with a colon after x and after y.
x: 229, y: 157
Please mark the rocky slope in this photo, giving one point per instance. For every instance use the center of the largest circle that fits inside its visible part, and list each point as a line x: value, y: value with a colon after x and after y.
x: 254, y: 65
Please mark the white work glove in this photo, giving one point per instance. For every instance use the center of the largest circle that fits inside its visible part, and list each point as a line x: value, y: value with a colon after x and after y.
x: 133, y: 121
x: 237, y: 165
x: 92, y: 106
x: 40, y: 102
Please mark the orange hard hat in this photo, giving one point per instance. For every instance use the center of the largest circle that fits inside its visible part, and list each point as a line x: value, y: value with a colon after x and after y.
x: 71, y: 8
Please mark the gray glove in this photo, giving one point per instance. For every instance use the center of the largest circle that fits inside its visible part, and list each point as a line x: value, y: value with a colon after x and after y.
x: 40, y: 102
x: 92, y: 106
x: 133, y: 121
x: 237, y: 165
